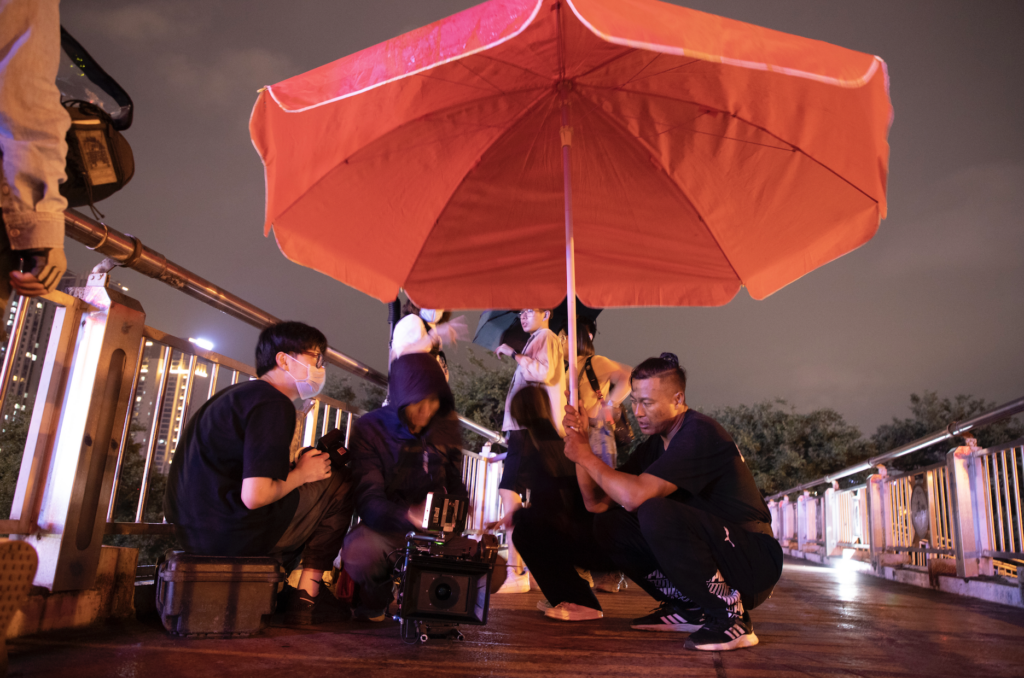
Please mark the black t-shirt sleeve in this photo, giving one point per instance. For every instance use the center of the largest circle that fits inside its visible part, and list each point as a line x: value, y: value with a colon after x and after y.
x: 269, y: 428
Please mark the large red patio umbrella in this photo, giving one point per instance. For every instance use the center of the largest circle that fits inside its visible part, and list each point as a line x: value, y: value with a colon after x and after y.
x: 706, y: 154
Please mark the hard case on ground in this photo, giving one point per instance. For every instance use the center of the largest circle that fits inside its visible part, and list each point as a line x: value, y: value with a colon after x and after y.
x: 214, y: 596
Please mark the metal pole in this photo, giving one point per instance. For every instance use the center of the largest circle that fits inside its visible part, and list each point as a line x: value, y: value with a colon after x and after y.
x: 570, y: 243
x: 129, y: 252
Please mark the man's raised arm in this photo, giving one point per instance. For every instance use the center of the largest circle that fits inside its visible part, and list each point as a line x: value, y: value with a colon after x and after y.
x: 602, y: 486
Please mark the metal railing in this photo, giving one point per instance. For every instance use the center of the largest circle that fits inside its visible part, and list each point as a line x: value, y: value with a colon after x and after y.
x: 128, y: 251
x: 965, y: 512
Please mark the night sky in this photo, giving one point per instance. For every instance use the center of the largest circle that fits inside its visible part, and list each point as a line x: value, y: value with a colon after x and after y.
x: 934, y: 302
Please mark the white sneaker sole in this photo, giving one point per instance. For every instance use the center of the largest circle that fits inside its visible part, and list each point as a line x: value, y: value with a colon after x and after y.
x: 562, y: 615
x: 746, y: 640
x: 674, y: 628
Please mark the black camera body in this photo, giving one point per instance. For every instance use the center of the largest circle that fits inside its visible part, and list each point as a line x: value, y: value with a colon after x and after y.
x: 444, y: 580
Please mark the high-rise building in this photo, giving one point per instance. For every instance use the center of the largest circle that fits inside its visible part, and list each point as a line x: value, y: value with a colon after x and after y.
x: 28, y: 363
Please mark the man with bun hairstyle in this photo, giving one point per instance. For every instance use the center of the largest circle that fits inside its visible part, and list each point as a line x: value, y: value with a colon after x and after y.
x: 682, y: 517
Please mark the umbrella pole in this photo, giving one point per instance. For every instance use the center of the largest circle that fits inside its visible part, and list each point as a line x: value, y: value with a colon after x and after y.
x: 570, y: 252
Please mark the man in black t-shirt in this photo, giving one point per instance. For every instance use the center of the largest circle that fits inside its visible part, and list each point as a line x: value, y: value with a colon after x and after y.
x: 683, y: 516
x: 232, y: 489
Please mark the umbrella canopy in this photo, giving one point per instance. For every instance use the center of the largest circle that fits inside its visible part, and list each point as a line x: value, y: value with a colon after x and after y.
x: 500, y: 327
x: 707, y: 154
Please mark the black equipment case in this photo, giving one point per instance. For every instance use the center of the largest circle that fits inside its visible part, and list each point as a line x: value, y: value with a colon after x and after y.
x: 216, y: 597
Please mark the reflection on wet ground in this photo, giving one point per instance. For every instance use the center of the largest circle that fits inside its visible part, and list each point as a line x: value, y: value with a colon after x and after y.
x: 819, y: 622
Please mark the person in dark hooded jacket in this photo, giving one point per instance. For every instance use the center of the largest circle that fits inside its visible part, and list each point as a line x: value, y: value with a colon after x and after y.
x: 398, y: 454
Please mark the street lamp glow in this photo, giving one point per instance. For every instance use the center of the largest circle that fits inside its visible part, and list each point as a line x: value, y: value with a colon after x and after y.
x: 202, y: 343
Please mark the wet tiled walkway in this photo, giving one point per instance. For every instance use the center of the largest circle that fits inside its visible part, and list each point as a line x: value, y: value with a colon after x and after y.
x: 820, y: 622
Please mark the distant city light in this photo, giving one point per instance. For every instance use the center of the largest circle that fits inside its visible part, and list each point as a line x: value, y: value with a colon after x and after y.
x: 202, y: 343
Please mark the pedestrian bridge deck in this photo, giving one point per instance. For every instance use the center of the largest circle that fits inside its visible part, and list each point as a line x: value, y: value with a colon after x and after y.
x: 820, y: 622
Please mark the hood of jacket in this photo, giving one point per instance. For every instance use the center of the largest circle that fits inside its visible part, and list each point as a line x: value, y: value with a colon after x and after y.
x: 416, y: 376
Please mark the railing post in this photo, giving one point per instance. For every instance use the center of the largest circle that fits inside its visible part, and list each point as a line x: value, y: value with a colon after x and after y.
x: 876, y: 515
x: 830, y: 505
x: 93, y: 416
x: 968, y: 494
x: 786, y: 509
x: 801, y: 519
x: 773, y: 509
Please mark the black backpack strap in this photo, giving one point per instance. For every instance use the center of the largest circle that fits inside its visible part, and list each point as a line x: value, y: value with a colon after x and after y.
x: 592, y: 378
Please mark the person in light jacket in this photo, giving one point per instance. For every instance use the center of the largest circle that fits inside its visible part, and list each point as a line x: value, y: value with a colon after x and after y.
x: 541, y: 363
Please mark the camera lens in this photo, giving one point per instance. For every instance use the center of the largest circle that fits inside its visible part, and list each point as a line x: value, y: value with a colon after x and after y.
x: 444, y: 592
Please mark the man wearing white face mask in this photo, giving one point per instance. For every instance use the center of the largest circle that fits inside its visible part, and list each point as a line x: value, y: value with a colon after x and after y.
x: 232, y: 489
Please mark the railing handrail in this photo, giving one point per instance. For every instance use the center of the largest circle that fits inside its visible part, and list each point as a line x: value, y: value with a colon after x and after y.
x: 951, y: 431
x: 129, y: 252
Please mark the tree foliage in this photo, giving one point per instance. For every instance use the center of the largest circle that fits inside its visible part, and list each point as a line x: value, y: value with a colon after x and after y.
x: 480, y: 391
x: 784, y: 448
x: 12, y: 446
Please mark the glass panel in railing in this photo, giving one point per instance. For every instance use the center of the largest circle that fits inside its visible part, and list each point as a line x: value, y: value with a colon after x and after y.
x: 21, y: 388
x: 172, y: 421
x: 140, y: 428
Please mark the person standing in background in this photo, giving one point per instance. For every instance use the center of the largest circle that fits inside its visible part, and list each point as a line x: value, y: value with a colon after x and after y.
x: 541, y: 363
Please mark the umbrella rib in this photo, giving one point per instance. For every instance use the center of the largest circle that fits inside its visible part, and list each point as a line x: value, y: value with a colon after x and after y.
x: 462, y: 62
x: 461, y: 84
x: 629, y: 136
x: 508, y: 64
x: 751, y: 124
x: 615, y: 58
x: 667, y: 70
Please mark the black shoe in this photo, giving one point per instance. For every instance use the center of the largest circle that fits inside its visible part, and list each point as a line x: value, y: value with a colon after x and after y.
x: 304, y: 609
x: 671, y: 616
x: 723, y: 633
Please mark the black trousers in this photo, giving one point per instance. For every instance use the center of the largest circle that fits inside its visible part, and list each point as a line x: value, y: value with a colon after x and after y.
x: 552, y: 546
x: 318, y: 527
x: 671, y: 549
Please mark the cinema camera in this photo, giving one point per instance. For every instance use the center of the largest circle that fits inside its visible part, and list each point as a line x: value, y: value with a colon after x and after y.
x: 444, y: 579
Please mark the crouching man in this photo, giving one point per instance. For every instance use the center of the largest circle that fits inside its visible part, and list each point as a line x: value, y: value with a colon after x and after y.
x: 232, y: 489
x: 683, y: 517
x: 400, y: 453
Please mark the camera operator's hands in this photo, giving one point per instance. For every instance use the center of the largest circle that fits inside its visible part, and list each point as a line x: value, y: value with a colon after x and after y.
x: 415, y: 514
x: 313, y: 465
x: 41, y: 270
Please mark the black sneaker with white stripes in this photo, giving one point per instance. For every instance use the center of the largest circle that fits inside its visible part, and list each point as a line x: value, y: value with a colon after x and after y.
x: 671, y: 616
x: 723, y: 633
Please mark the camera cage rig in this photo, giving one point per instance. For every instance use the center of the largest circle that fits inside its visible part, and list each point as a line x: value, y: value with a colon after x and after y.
x: 443, y: 579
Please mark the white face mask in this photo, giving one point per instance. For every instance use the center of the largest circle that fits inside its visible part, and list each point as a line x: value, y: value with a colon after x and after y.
x: 310, y: 385
x: 431, y: 315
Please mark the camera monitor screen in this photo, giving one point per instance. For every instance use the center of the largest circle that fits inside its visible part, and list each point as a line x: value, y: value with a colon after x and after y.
x: 445, y: 513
